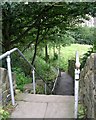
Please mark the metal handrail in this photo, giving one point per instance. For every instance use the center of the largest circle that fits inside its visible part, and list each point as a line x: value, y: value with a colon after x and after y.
x: 43, y: 80
x: 16, y: 49
x: 8, y: 59
x: 77, y: 77
x: 13, y: 50
x: 7, y: 56
x: 55, y: 82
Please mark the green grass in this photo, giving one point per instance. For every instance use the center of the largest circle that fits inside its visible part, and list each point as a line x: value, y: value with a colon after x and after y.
x: 68, y: 53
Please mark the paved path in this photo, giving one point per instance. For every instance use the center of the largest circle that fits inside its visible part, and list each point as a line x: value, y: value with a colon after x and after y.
x: 64, y: 85
x: 44, y: 106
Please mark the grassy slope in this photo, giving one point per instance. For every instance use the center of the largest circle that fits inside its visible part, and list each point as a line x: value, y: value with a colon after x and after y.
x: 68, y: 53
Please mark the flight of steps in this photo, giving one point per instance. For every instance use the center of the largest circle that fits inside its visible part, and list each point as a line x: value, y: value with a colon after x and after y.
x: 43, y: 106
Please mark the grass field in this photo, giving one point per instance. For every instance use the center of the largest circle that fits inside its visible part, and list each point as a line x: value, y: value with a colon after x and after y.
x: 69, y: 52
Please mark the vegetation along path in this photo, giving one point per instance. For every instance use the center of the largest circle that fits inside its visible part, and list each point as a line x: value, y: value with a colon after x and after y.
x: 64, y: 85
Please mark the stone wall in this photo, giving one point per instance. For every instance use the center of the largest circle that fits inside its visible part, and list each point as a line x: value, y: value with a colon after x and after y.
x: 5, y: 87
x: 88, y: 86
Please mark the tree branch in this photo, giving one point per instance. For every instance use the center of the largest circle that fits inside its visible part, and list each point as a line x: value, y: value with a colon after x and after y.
x: 34, y: 24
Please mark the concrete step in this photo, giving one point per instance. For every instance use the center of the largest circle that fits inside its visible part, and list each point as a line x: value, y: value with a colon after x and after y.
x: 44, y: 106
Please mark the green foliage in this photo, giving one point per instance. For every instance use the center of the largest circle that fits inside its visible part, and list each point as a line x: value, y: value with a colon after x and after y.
x: 84, y: 35
x: 23, y: 20
x: 68, y: 53
x: 44, y: 69
x: 94, y: 46
x: 85, y: 56
x: 21, y: 79
x: 39, y: 89
x: 4, y: 114
x: 18, y: 62
x: 81, y: 111
x: 55, y: 56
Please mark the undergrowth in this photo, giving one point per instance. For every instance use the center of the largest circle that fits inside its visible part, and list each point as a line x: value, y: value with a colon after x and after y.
x: 45, y: 70
x: 81, y: 111
x: 4, y: 114
x: 21, y: 79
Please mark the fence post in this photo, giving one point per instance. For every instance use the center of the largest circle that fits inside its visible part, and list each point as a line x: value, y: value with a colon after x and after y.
x: 10, y: 79
x: 34, y: 85
x: 77, y: 72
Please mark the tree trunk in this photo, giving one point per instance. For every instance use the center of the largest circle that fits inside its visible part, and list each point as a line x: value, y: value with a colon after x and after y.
x: 36, y: 44
x: 46, y: 53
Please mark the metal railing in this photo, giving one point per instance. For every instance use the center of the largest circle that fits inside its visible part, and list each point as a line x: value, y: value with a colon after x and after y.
x: 8, y: 59
x: 55, y: 81
x: 45, y: 83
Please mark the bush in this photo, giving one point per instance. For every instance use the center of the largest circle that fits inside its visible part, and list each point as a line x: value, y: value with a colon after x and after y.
x: 19, y: 62
x: 44, y: 69
x: 85, y: 56
x: 55, y: 56
x: 21, y: 79
x: 39, y: 89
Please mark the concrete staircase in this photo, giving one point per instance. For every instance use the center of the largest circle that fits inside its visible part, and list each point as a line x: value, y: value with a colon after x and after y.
x: 44, y: 106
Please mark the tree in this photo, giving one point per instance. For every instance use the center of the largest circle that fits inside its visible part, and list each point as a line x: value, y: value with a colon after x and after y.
x: 84, y: 35
x: 26, y: 23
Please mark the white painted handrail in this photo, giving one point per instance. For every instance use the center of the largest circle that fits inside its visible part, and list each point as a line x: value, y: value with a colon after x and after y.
x: 10, y: 79
x: 77, y: 73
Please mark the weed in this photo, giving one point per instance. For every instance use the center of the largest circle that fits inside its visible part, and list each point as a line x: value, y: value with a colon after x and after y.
x: 4, y: 114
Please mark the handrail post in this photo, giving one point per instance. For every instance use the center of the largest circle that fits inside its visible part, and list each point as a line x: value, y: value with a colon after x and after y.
x: 77, y: 72
x: 34, y: 85
x: 10, y: 79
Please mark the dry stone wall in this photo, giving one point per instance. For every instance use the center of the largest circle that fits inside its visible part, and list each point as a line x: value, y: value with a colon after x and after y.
x: 5, y: 87
x: 88, y: 86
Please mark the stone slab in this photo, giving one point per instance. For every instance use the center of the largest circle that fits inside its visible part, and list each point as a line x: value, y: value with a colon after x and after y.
x: 44, y: 106
x: 29, y: 110
x: 45, y: 98
x: 60, y: 110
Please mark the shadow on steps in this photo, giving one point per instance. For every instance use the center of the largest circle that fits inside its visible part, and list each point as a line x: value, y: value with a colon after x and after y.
x: 65, y: 85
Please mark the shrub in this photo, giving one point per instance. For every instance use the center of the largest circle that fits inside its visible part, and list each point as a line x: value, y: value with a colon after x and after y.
x: 85, y: 56
x: 55, y: 56
x: 44, y: 69
x: 39, y: 89
x: 21, y: 79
